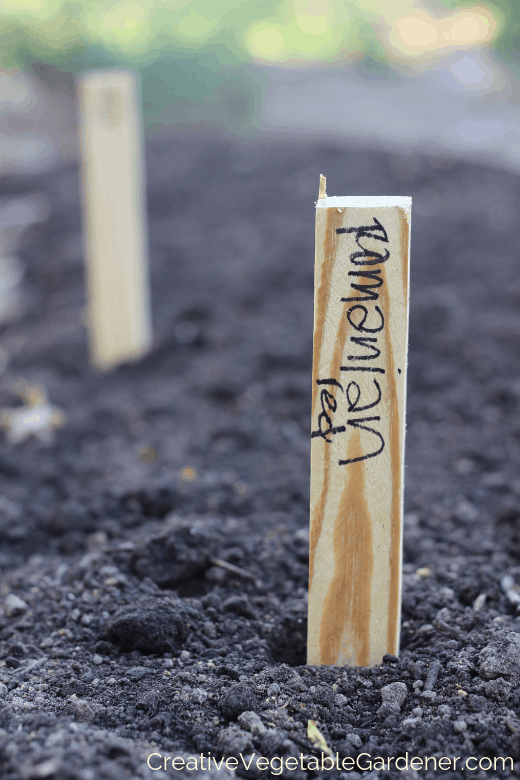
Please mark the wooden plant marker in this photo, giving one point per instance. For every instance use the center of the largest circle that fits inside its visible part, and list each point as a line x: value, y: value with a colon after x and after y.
x: 114, y: 214
x: 358, y: 426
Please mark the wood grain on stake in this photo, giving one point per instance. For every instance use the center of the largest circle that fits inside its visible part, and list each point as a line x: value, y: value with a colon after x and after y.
x: 358, y: 425
x: 114, y: 217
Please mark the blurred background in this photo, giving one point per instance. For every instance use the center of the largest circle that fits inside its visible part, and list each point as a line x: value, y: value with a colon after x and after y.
x: 436, y: 74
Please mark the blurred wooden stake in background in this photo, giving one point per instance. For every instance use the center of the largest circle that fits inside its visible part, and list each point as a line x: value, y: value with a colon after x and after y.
x: 358, y: 426
x: 114, y: 214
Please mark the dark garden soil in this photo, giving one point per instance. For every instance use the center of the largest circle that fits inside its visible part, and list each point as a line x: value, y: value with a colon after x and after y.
x: 154, y: 556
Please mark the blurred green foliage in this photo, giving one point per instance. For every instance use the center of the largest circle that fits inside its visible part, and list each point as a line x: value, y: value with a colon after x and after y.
x: 507, y: 14
x: 193, y: 53
x: 507, y: 44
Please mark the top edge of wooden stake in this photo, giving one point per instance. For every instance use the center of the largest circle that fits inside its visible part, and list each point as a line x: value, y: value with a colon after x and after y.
x: 107, y: 78
x: 363, y: 201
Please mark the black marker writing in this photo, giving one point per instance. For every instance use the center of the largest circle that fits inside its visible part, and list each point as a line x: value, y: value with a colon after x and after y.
x: 368, y: 231
x: 356, y: 394
x: 366, y: 288
x: 360, y: 326
x: 363, y: 342
x: 357, y: 424
x: 363, y: 368
x: 365, y: 318
x: 328, y: 406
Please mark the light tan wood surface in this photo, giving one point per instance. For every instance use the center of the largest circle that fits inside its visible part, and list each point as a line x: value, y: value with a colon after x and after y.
x: 358, y: 427
x: 114, y: 216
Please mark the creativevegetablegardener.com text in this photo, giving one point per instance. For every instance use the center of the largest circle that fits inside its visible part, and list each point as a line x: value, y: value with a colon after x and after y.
x: 364, y: 762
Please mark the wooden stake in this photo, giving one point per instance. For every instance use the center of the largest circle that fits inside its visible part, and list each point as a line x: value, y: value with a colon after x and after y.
x: 114, y: 214
x: 358, y: 426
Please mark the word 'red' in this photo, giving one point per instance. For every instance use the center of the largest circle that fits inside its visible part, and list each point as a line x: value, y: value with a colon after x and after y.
x: 366, y: 319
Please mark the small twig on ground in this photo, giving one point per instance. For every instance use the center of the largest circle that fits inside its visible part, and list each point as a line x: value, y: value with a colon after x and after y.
x: 232, y: 568
x: 34, y: 665
x: 456, y: 633
x: 431, y: 677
